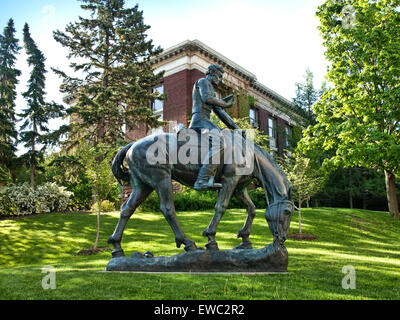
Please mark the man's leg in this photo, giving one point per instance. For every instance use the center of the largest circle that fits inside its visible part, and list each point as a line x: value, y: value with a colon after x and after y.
x: 205, y: 178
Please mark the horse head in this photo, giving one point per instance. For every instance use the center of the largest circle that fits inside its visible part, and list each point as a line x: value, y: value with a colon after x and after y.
x: 279, y: 215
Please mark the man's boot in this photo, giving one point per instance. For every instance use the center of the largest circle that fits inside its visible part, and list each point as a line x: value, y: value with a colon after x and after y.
x: 205, y: 179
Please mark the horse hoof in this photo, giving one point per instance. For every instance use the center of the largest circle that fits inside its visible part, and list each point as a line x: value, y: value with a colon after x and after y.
x: 243, y: 246
x: 111, y: 240
x: 190, y: 246
x: 148, y: 254
x: 213, y: 246
x: 116, y: 253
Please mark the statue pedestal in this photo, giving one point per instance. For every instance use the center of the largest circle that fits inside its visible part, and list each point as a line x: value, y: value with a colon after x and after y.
x: 272, y: 258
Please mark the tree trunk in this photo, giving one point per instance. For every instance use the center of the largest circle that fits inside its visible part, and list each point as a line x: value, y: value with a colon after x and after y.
x: 299, y: 216
x: 33, y: 153
x: 350, y: 189
x: 393, y: 204
x: 98, y: 226
x: 351, y: 199
x: 365, y: 202
x: 32, y: 175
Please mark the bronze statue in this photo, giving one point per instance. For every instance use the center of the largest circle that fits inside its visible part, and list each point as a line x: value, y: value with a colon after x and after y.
x: 204, y: 101
x: 145, y: 176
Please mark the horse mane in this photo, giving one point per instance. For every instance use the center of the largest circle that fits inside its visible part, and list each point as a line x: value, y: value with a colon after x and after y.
x: 273, y: 163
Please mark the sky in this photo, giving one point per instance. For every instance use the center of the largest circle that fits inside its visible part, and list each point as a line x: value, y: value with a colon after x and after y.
x: 277, y: 40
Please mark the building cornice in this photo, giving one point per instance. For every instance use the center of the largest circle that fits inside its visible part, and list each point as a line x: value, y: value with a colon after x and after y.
x: 198, y: 46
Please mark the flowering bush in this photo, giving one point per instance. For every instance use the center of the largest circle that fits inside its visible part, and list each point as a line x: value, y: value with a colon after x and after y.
x: 22, y: 199
x: 51, y: 198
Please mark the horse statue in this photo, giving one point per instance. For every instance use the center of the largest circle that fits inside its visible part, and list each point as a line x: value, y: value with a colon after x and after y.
x: 145, y: 177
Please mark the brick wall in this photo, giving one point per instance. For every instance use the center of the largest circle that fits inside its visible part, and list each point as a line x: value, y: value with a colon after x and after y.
x: 263, y: 120
x: 178, y: 88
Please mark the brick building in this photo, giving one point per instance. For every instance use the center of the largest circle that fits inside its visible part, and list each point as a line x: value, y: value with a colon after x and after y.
x: 187, y: 62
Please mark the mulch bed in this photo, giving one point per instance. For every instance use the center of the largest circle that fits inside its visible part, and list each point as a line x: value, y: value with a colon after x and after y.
x: 302, y: 236
x: 87, y: 252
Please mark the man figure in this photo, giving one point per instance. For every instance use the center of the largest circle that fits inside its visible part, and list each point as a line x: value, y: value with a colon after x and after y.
x: 205, y: 101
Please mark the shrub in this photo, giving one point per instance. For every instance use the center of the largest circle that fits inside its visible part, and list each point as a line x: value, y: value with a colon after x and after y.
x: 22, y: 199
x: 6, y: 206
x: 191, y: 200
x: 106, y: 206
x: 51, y: 198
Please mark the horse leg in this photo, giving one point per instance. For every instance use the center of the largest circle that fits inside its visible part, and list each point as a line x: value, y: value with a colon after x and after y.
x: 224, y: 196
x: 244, y: 233
x: 165, y: 195
x: 128, y: 208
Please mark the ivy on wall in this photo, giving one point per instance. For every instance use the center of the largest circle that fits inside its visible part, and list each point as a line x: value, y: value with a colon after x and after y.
x: 243, y: 101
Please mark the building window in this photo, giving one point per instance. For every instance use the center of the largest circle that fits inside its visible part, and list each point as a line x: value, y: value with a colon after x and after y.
x: 272, y: 133
x: 253, y: 115
x: 288, y: 135
x: 158, y: 105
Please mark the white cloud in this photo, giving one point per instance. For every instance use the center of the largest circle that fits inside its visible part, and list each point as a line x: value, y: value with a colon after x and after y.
x: 49, y: 19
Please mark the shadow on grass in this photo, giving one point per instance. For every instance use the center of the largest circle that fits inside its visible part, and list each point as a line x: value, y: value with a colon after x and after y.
x: 364, y: 239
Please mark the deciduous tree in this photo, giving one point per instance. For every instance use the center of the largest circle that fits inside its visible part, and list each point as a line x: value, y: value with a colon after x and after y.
x: 99, y: 174
x: 359, y: 117
x: 305, y: 180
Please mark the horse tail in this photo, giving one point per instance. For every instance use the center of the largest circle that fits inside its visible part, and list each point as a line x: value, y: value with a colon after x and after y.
x: 117, y: 165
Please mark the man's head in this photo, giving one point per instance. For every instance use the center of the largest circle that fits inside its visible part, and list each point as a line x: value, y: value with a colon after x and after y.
x: 214, y: 73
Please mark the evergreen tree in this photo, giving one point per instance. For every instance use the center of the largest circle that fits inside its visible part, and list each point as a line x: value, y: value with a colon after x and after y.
x: 113, y: 81
x: 34, y: 130
x: 307, y: 95
x: 8, y: 81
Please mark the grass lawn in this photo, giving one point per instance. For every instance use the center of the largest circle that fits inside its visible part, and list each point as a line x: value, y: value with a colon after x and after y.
x: 366, y: 240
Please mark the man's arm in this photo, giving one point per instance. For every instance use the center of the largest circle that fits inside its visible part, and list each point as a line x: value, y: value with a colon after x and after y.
x: 225, y: 118
x: 208, y: 95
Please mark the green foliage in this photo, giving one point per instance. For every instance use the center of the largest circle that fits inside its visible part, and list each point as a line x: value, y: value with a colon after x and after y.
x: 243, y: 103
x: 359, y: 118
x: 112, y: 85
x: 69, y: 171
x: 6, y: 204
x: 294, y: 138
x: 252, y: 101
x: 190, y: 200
x: 304, y: 178
x: 365, y: 188
x: 307, y: 96
x: 34, y: 130
x: 106, y: 206
x: 260, y: 137
x: 8, y: 80
x: 97, y: 163
x: 23, y: 199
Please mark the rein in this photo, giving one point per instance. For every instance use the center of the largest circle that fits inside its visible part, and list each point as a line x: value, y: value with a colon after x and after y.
x: 265, y: 190
x: 262, y: 180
